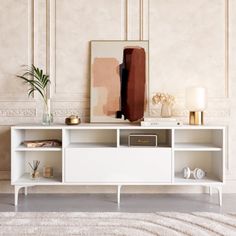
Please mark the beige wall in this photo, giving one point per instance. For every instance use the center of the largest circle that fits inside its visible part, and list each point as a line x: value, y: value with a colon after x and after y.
x: 188, y: 46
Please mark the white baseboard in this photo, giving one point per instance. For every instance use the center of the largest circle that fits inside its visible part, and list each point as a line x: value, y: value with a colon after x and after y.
x: 229, y: 187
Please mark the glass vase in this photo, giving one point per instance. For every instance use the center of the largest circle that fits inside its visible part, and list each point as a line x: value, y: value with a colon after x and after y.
x: 35, y: 174
x: 166, y: 110
x: 47, y: 118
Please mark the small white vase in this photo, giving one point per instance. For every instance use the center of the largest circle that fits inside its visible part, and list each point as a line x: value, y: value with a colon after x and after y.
x: 166, y: 110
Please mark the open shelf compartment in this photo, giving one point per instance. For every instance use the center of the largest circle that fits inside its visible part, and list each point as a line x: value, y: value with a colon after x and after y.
x: 21, y: 135
x: 198, y: 140
x: 90, y: 138
x: 21, y: 169
x: 163, y: 136
x: 209, y: 161
x: 25, y: 179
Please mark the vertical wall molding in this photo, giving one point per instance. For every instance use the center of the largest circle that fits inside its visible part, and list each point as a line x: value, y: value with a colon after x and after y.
x: 141, y: 15
x: 52, y: 45
x: 134, y: 19
x: 47, y: 45
x: 227, y: 48
x: 137, y: 19
x: 40, y: 35
x: 145, y: 22
x: 48, y: 36
x: 124, y: 18
x: 31, y: 21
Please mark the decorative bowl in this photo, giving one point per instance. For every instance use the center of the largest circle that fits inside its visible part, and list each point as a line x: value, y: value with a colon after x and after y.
x: 72, y: 120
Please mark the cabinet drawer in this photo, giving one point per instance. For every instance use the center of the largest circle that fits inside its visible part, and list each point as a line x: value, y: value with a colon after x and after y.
x: 128, y: 165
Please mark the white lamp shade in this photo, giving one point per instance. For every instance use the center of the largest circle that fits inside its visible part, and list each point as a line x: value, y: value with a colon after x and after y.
x: 196, y: 98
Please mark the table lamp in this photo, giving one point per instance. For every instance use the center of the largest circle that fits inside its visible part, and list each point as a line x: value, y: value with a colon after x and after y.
x: 196, y: 104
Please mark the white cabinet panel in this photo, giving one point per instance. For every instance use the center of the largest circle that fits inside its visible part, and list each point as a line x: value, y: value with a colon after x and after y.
x: 137, y: 165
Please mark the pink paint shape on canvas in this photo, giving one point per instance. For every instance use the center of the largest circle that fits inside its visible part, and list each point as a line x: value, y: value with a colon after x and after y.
x: 106, y: 81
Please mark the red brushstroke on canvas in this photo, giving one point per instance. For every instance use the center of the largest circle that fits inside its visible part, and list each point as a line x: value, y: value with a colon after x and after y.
x: 133, y: 84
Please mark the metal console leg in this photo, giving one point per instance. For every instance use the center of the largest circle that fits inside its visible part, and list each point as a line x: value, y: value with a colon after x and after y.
x: 210, y: 190
x: 26, y: 191
x: 118, y: 195
x: 17, y: 189
x: 219, y: 188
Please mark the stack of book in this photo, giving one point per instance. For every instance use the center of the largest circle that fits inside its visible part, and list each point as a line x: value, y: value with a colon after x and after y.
x: 158, y: 121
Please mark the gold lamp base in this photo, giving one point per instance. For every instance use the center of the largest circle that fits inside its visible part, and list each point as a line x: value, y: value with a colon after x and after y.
x: 196, y: 118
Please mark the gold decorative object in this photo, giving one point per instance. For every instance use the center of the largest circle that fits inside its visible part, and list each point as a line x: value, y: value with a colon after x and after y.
x: 72, y: 120
x: 47, y: 172
x: 196, y: 118
x: 196, y: 102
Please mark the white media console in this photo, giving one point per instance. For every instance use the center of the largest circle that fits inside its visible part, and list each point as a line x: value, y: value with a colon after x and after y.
x: 98, y: 154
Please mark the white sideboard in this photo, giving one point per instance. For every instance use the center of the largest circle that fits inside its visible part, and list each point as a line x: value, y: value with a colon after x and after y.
x: 98, y: 154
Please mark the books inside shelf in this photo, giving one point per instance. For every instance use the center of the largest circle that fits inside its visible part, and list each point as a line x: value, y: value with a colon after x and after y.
x: 158, y: 119
x: 161, y: 123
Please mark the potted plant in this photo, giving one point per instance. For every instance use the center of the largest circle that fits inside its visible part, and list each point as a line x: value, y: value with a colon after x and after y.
x: 39, y: 81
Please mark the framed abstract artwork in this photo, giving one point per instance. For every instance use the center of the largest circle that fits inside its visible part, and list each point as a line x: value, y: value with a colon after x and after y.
x: 119, y: 81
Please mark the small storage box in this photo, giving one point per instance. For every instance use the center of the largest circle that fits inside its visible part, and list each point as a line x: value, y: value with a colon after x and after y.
x: 142, y: 140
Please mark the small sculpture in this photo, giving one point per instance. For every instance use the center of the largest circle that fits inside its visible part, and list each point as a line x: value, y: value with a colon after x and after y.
x: 72, y: 120
x: 197, y: 173
x: 166, y: 100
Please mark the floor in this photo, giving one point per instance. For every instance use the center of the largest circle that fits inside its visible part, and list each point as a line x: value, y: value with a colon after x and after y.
x: 129, y: 203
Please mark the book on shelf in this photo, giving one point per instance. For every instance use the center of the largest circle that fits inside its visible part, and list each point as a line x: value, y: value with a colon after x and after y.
x: 158, y: 119
x: 161, y: 123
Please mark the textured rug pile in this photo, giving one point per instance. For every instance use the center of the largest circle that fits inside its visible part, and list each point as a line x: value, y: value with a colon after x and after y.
x: 117, y: 224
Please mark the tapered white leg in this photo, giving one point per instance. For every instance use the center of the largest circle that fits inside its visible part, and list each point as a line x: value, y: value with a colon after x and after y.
x: 210, y: 190
x: 17, y: 189
x: 220, y: 195
x: 118, y: 194
x: 26, y: 191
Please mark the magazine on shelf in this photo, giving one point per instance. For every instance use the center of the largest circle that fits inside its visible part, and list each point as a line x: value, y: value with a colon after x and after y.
x: 161, y: 123
x: 159, y: 119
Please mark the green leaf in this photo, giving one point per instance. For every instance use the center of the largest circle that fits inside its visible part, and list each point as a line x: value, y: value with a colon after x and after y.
x: 31, y: 91
x: 36, y: 78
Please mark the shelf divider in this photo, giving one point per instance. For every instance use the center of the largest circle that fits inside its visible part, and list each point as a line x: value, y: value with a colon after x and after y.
x: 26, y: 180
x: 209, y: 179
x: 36, y: 149
x: 196, y: 147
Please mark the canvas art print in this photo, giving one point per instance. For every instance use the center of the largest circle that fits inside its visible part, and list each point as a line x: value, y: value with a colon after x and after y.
x: 119, y: 77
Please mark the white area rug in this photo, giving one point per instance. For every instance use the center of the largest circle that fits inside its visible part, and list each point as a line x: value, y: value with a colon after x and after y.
x: 132, y: 224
